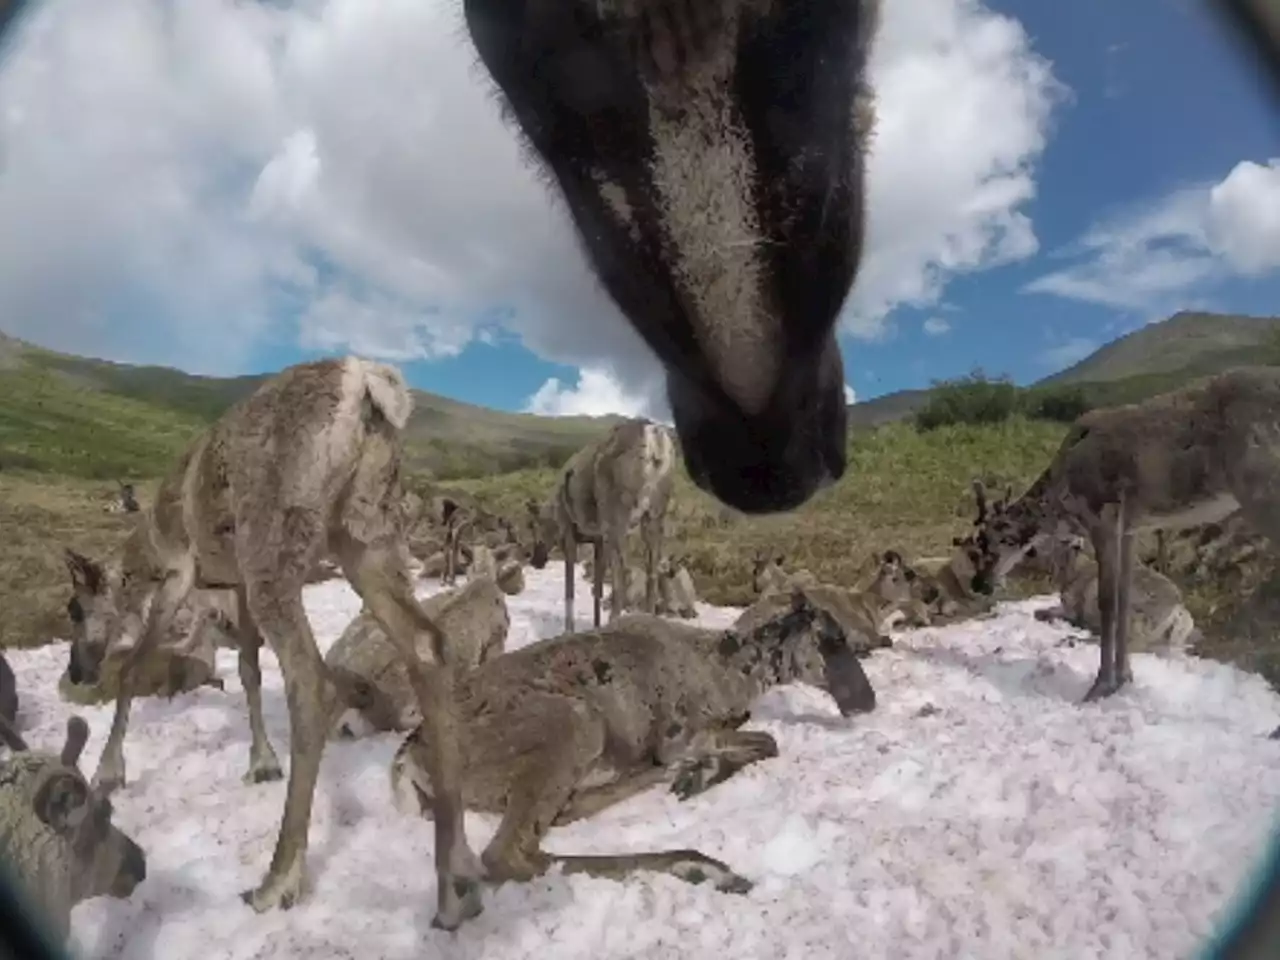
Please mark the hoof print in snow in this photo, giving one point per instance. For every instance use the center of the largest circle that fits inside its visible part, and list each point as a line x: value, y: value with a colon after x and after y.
x: 928, y: 710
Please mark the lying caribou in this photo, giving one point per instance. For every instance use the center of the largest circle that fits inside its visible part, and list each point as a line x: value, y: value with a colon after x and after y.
x: 1160, y: 622
x: 565, y: 727
x: 56, y: 834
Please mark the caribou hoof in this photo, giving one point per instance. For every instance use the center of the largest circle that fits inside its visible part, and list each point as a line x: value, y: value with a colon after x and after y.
x: 264, y: 774
x: 466, y: 902
x: 1104, y: 687
x: 281, y: 891
x: 698, y: 868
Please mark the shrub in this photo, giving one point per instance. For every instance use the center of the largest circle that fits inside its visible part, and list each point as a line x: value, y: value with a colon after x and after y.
x: 973, y: 399
x: 1061, y: 404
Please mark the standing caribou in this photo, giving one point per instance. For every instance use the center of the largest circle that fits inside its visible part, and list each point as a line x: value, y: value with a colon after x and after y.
x: 306, y: 466
x: 1191, y: 456
x: 624, y: 478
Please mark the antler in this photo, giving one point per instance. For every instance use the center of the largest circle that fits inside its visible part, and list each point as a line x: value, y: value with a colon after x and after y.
x: 980, y: 494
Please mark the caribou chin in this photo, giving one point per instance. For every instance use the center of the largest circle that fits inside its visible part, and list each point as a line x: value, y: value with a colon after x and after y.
x: 710, y: 154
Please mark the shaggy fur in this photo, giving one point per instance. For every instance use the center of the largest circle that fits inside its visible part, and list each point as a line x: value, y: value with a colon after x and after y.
x: 1192, y: 456
x: 377, y: 695
x: 566, y: 727
x: 623, y: 479
x: 306, y: 465
x: 56, y: 835
x: 711, y: 154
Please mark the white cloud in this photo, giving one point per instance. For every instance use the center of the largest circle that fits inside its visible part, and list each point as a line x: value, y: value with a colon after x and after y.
x: 937, y: 326
x: 1244, y: 218
x: 850, y: 395
x: 597, y: 392
x: 964, y: 109
x: 1159, y: 257
x: 336, y: 171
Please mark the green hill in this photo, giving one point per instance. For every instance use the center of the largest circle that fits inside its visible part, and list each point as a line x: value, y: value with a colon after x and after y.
x: 95, y: 419
x: 1159, y: 357
x: 100, y: 420
x: 1203, y: 342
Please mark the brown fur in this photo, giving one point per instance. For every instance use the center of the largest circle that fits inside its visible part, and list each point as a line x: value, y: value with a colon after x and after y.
x: 1161, y: 622
x: 182, y: 661
x: 606, y: 487
x: 677, y: 595
x: 56, y: 834
x: 375, y: 692
x: 1191, y: 456
x: 942, y: 588
x: 308, y: 464
x: 566, y: 727
x: 865, y: 615
x: 768, y: 575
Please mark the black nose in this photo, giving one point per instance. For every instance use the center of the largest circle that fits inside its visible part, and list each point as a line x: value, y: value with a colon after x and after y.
x: 136, y: 862
x: 848, y: 685
x: 133, y: 869
x: 81, y: 669
x: 766, y: 464
x: 982, y: 584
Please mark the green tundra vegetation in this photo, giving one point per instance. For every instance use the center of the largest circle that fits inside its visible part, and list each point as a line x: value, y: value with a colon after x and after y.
x: 71, y: 427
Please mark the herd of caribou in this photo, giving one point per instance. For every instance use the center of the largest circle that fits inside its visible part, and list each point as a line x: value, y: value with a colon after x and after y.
x: 307, y: 469
x: 711, y: 155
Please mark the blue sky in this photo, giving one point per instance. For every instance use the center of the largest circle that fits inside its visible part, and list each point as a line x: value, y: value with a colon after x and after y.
x: 1159, y: 99
x: 231, y: 188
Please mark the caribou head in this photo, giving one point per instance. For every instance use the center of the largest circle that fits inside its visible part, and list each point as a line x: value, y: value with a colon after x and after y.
x: 710, y: 154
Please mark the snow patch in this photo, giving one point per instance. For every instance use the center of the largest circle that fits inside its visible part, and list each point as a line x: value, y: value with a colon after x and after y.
x: 980, y: 811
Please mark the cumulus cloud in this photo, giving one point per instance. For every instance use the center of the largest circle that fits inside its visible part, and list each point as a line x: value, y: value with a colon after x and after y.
x: 1157, y: 257
x: 850, y: 395
x: 335, y: 172
x: 964, y: 110
x: 937, y: 326
x: 596, y: 393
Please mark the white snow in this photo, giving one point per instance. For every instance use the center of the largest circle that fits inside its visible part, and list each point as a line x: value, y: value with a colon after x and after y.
x: 980, y: 811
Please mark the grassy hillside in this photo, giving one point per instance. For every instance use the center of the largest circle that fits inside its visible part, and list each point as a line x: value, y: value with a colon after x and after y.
x: 92, y: 419
x: 69, y: 427
x: 886, y: 409
x: 903, y: 489
x: 1207, y: 342
x: 1159, y: 357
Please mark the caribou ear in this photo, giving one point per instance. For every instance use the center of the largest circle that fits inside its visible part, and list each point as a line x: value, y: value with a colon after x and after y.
x: 62, y: 801
x: 77, y: 737
x: 86, y: 574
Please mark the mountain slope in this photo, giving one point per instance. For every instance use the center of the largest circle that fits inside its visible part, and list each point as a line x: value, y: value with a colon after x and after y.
x: 1205, y: 342
x: 1159, y: 357
x: 93, y: 418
